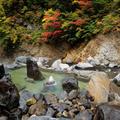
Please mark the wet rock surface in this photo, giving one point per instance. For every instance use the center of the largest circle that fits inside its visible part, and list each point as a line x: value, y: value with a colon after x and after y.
x: 69, y: 84
x: 33, y: 70
x: 72, y: 104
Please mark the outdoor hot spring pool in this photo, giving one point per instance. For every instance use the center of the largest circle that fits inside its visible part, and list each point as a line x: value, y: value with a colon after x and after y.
x: 19, y: 75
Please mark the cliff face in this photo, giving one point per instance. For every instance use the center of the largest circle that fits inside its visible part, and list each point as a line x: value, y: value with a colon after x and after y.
x: 103, y: 48
x: 43, y: 50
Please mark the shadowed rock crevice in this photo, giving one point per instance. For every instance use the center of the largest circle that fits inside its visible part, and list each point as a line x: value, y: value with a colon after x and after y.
x: 2, y: 71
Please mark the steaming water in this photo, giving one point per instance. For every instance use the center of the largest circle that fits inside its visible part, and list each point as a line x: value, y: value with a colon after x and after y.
x: 19, y: 75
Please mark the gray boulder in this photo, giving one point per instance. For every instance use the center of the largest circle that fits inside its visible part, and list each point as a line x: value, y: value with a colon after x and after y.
x: 84, y: 65
x: 84, y: 115
x: 33, y: 70
x: 107, y: 112
x: 70, y: 84
x: 24, y: 96
x: 9, y: 96
x: 21, y: 59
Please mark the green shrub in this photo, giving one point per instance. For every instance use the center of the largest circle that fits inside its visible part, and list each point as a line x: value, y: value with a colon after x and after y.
x: 38, y: 21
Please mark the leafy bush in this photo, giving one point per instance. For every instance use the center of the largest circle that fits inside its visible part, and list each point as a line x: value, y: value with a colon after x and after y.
x: 38, y: 21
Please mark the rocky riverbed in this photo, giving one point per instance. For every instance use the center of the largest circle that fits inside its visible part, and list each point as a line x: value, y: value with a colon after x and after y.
x: 96, y: 102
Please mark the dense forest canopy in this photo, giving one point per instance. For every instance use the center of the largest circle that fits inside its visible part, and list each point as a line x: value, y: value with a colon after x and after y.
x: 39, y: 21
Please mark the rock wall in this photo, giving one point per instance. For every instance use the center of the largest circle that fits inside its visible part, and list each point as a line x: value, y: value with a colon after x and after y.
x: 103, y: 48
x: 42, y: 50
x: 45, y: 50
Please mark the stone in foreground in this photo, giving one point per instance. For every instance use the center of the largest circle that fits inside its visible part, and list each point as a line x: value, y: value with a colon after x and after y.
x: 98, y: 87
x: 107, y: 112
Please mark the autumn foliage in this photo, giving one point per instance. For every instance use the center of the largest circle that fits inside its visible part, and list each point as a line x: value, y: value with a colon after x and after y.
x: 84, y: 3
x: 78, y: 22
x: 51, y: 25
x: 36, y: 21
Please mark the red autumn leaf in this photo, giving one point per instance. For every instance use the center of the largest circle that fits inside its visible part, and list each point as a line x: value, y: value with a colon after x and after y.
x: 85, y: 3
x: 47, y: 34
x: 78, y: 22
x: 52, y: 24
x: 57, y: 33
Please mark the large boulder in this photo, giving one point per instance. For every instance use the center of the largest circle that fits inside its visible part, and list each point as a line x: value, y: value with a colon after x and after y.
x: 9, y: 96
x: 98, y: 87
x: 59, y: 66
x: 42, y: 61
x: 56, y: 64
x: 108, y: 112
x: 70, y: 84
x: 33, y: 70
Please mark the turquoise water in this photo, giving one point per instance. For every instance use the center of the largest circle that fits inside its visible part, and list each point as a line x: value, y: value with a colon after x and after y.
x: 19, y: 75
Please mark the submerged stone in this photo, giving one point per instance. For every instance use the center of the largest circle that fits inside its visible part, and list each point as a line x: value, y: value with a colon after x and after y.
x: 33, y: 70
